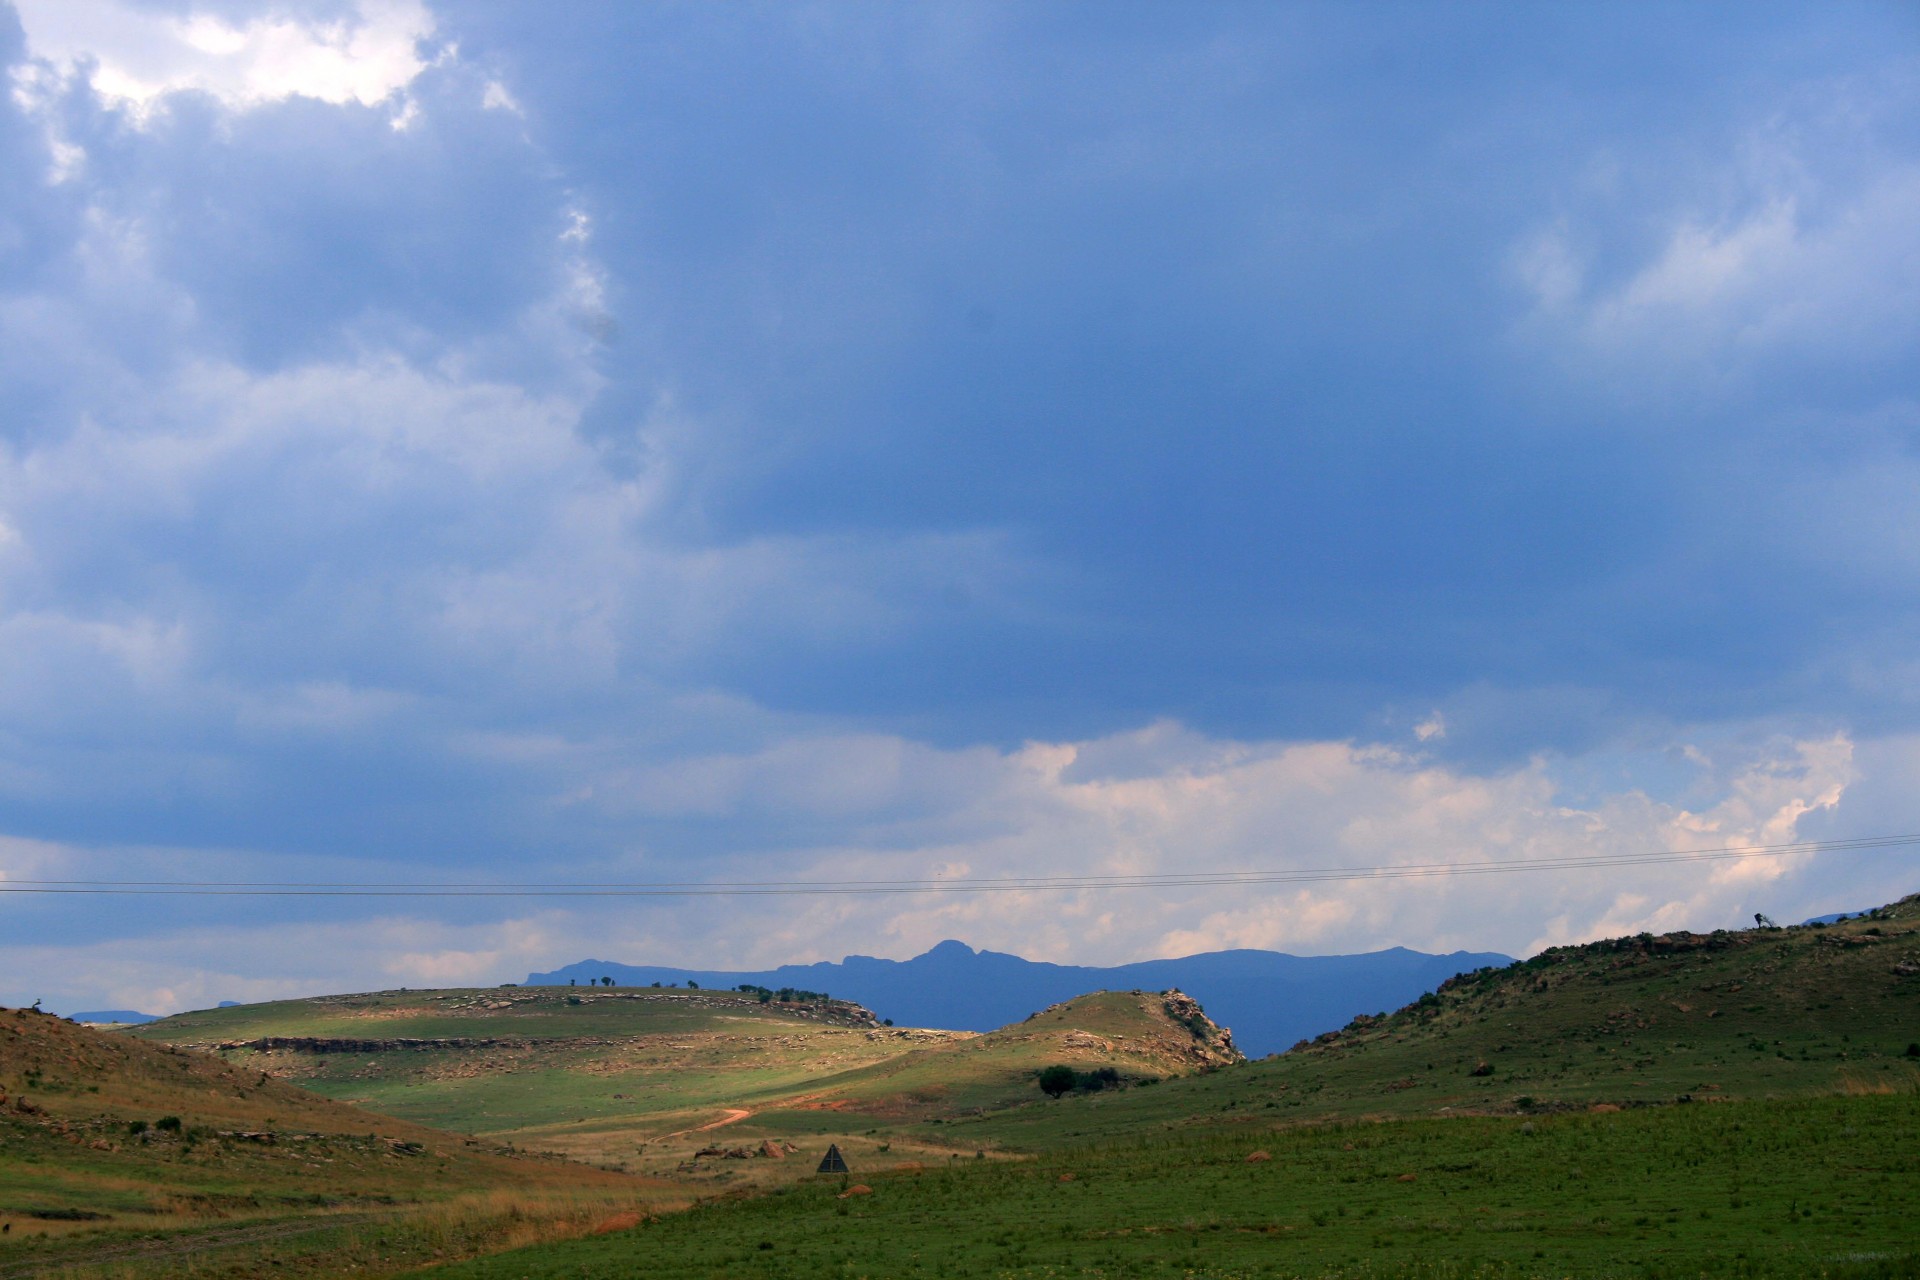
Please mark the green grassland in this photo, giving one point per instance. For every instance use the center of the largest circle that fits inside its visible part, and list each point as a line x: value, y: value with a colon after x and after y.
x: 1800, y: 1188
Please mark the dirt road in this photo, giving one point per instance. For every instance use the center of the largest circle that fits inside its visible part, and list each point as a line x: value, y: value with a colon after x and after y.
x: 734, y: 1116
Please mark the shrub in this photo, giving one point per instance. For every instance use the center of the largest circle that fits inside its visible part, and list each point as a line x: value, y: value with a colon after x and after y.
x: 168, y: 1124
x: 136, y: 1126
x: 1055, y: 1081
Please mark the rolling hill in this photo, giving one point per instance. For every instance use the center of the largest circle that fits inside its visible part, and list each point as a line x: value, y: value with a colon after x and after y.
x: 650, y: 1079
x: 146, y: 1154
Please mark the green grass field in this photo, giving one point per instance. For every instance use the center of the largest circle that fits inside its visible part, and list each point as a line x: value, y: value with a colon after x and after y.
x: 1798, y: 1188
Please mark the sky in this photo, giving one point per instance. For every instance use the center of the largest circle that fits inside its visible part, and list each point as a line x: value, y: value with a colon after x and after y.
x: 499, y: 443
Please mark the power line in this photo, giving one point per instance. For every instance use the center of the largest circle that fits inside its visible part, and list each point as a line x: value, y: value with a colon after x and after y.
x: 936, y: 884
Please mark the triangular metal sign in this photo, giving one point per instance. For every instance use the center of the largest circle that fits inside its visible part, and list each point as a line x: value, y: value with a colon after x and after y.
x: 831, y: 1162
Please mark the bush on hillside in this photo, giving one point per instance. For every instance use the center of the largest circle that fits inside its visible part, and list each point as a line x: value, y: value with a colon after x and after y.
x: 1057, y: 1080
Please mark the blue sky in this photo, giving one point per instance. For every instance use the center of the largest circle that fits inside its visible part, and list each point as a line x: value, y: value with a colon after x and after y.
x: 678, y: 441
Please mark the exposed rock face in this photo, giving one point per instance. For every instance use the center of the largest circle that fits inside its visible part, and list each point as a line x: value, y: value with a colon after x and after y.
x: 1213, y: 1043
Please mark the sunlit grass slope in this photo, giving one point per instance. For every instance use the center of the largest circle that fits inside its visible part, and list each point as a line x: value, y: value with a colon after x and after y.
x: 111, y: 1146
x: 535, y: 1065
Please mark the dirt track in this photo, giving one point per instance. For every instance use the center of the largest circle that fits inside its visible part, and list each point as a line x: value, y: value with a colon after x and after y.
x: 734, y: 1116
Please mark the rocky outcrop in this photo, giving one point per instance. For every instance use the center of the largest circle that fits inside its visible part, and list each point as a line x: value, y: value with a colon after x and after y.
x: 1213, y: 1043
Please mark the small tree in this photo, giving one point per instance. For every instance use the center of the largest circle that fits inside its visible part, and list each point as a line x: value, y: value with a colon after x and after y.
x: 1055, y: 1081
x: 606, y: 982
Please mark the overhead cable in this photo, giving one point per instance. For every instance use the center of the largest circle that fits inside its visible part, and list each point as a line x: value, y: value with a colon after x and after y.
x: 936, y: 884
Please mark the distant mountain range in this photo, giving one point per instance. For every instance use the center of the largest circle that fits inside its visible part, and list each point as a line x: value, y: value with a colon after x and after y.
x: 1268, y: 998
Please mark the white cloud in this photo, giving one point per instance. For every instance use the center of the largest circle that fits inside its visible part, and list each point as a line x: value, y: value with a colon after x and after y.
x: 902, y: 808
x: 1799, y: 243
x: 496, y: 97
x: 897, y: 809
x: 137, y: 57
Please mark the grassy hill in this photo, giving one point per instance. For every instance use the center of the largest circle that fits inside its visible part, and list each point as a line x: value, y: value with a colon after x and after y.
x: 1625, y: 1022
x: 649, y: 1079
x: 144, y: 1154
x: 528, y: 1064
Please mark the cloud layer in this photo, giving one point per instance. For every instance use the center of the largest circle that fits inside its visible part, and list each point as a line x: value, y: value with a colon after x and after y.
x: 447, y: 443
